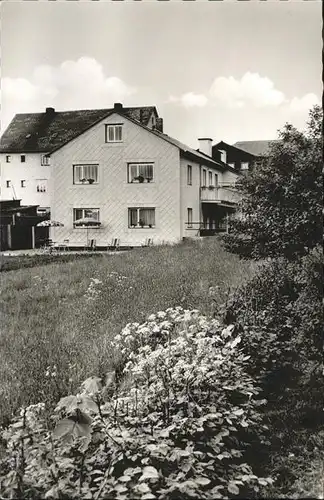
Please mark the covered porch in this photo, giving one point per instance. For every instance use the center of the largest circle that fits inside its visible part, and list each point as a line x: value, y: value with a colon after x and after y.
x: 215, y: 219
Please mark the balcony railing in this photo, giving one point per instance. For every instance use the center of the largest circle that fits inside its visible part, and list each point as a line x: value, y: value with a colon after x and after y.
x: 207, y: 229
x: 225, y: 193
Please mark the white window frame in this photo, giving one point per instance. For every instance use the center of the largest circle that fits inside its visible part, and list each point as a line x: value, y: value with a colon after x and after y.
x: 137, y: 165
x: 83, y: 176
x: 113, y: 126
x: 216, y: 180
x: 223, y: 155
x: 85, y: 213
x: 244, y: 165
x: 210, y: 178
x: 39, y: 187
x: 138, y: 225
x: 189, y: 217
x: 45, y: 160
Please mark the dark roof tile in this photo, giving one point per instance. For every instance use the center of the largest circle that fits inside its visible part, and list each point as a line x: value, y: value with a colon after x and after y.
x: 44, y: 132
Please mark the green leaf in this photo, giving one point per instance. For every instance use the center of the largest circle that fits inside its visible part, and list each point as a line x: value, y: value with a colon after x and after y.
x: 92, y: 385
x: 201, y: 480
x: 69, y: 404
x: 143, y: 488
x: 232, y: 488
x: 68, y: 428
x: 149, y: 472
x: 124, y: 479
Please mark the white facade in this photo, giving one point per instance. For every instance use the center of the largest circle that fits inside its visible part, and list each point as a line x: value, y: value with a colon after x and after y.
x: 113, y: 195
x: 173, y: 193
x: 27, y: 180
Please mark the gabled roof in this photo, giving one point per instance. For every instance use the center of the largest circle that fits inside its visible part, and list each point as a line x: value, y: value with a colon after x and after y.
x: 48, y: 132
x: 255, y: 148
x: 193, y: 154
x: 44, y: 132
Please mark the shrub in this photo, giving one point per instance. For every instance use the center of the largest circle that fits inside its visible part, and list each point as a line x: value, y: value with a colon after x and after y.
x: 281, y: 211
x: 174, y: 422
x: 280, y: 313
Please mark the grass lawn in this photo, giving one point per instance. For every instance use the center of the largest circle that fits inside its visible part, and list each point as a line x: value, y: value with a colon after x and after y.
x: 56, y: 318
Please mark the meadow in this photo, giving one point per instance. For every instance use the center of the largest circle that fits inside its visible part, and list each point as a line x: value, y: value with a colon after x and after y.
x: 57, y: 318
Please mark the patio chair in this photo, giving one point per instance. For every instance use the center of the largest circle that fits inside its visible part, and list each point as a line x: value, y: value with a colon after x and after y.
x: 115, y: 244
x: 64, y: 246
x: 148, y: 242
x: 91, y: 245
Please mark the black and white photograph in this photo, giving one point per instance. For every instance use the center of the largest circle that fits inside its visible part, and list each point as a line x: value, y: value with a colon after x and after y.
x: 161, y: 260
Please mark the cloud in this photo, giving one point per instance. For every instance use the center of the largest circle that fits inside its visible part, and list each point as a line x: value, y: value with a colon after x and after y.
x: 71, y: 85
x: 304, y: 103
x: 190, y: 100
x: 251, y: 90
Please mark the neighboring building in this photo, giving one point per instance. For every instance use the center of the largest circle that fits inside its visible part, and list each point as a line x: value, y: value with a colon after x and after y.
x: 25, y: 164
x: 18, y: 225
x: 241, y: 155
x: 139, y: 183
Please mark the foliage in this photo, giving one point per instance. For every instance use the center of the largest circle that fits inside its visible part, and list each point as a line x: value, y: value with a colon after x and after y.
x: 174, y: 424
x: 279, y: 316
x: 280, y: 313
x: 281, y: 211
x: 65, y: 313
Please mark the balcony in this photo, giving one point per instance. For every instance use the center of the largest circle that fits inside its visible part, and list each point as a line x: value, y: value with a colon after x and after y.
x: 225, y: 194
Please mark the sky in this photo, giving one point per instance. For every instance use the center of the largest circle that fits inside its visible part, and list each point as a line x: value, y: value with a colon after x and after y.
x: 229, y: 70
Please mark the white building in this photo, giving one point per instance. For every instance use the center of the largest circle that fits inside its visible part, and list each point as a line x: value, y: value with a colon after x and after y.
x: 138, y: 182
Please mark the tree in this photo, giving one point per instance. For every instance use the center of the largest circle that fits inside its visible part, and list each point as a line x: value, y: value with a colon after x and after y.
x: 281, y: 211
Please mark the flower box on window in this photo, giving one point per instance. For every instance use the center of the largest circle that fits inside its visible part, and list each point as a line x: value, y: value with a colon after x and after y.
x: 211, y: 187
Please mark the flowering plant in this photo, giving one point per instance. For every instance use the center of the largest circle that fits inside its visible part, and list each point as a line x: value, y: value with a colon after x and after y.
x: 175, y: 425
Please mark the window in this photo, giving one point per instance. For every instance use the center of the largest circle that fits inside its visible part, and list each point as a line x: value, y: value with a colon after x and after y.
x: 85, y: 174
x: 189, y: 217
x: 140, y: 172
x: 210, y: 178
x: 45, y: 160
x: 8, y: 159
x: 231, y: 165
x: 216, y: 180
x: 204, y: 178
x: 23, y: 183
x: 141, y: 217
x: 80, y: 213
x: 244, y: 166
x: 189, y: 175
x: 8, y: 184
x: 114, y: 133
x: 41, y: 185
x: 22, y: 158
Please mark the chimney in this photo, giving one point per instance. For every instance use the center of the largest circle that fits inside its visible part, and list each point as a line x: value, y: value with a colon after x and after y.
x: 205, y: 146
x: 50, y: 111
x: 159, y: 125
x: 118, y: 106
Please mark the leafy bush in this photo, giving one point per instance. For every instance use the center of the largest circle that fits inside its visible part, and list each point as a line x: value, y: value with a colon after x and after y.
x: 280, y: 311
x: 281, y: 211
x: 173, y: 422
